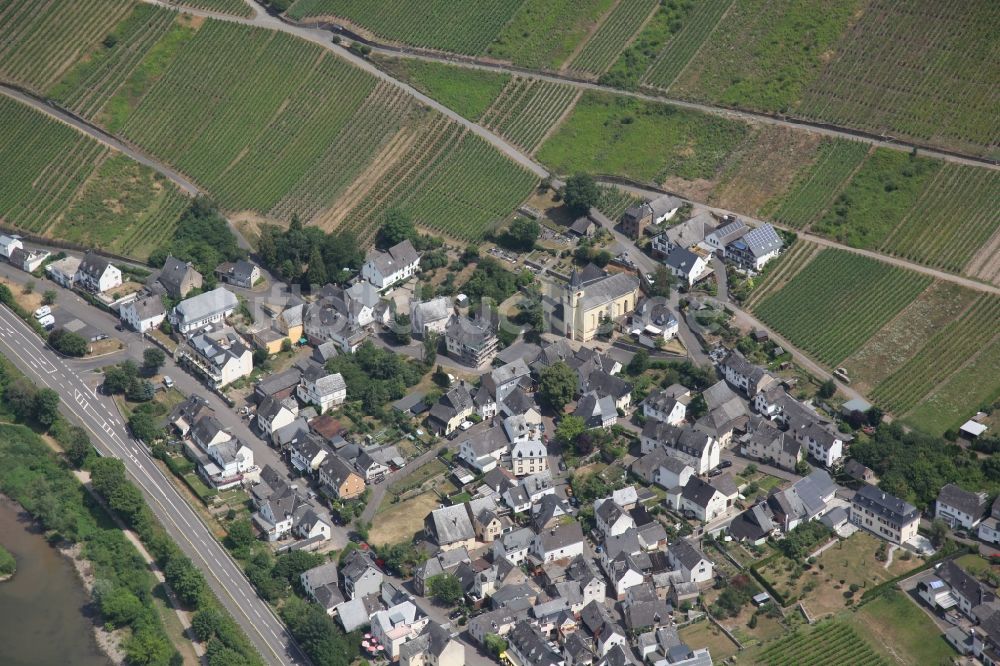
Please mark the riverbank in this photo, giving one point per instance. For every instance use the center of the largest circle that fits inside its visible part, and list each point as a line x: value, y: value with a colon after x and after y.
x: 8, y: 565
x: 109, y: 642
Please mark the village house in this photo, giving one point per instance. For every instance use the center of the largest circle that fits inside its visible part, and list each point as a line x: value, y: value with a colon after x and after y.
x: 199, y: 311
x: 688, y: 234
x: 178, y: 277
x: 686, y: 266
x: 97, y: 274
x: 556, y: 543
x: 242, y: 273
x: 637, y: 218
x: 385, y: 269
x: 708, y: 500
x: 396, y: 626
x: 433, y: 647
x: 588, y: 303
x: 8, y: 244
x: 514, y: 545
x: 448, y: 413
x: 960, y: 508
x: 500, y: 382
x: 885, y: 516
x: 307, y: 454
x: 484, y: 452
x: 431, y: 316
x: 667, y: 405
x: 755, y: 248
x: 471, y: 341
x: 952, y: 587
x: 744, y: 375
x: 989, y: 529
x: 321, y: 584
x: 692, y: 564
x: 63, y: 271
x: 530, y: 648
x: 273, y: 414
x: 220, y: 357
x: 360, y: 574
x: 372, y: 469
x: 29, y: 261
x: 323, y: 389
x: 597, y: 411
x: 653, y: 321
x: 770, y: 445
x: 602, y: 627
x: 338, y: 479
x: 732, y: 229
x: 694, y: 445
x: 528, y: 457
x: 143, y: 314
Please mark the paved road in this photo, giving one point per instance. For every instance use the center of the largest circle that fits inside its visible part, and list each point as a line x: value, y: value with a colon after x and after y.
x: 98, y: 415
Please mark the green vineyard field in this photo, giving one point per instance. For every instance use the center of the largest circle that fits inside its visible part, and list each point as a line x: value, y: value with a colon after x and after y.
x: 603, y: 47
x: 527, y: 109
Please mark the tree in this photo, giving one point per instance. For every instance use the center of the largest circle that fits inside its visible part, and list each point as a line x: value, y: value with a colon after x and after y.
x: 495, y: 645
x: 581, y: 193
x: 77, y: 445
x: 186, y: 581
x: 259, y: 357
x: 120, y: 607
x: 153, y: 359
x: 316, y: 273
x: 522, y: 234
x: 827, y: 389
x: 139, y: 390
x: 557, y: 385
x: 206, y: 624
x: 117, y: 378
x: 570, y: 429
x: 68, y: 343
x: 938, y: 532
x: 397, y: 228
x: 662, y: 281
x: 445, y: 588
x: 240, y: 534
x: 20, y: 398
x: 401, y: 329
x: 639, y: 363
x: 440, y: 377
x: 431, y: 341
x: 874, y: 416
x: 697, y: 407
x: 144, y: 427
x: 29, y: 286
x: 46, y: 406
x: 49, y: 297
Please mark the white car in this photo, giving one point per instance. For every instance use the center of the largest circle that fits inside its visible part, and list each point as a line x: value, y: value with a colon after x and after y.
x: 47, y: 321
x: 43, y: 311
x: 466, y: 425
x: 167, y: 381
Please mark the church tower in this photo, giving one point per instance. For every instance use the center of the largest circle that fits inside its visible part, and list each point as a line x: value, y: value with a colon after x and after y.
x: 572, y: 297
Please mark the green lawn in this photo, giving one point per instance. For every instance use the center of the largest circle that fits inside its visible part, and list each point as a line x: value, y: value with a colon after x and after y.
x: 901, y: 629
x: 467, y: 92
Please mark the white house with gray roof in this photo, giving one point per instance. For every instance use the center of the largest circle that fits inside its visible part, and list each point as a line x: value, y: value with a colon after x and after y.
x: 143, y: 314
x: 884, y: 515
x: 686, y: 265
x: 220, y: 356
x: 732, y: 229
x: 430, y: 316
x: 323, y: 389
x: 960, y: 508
x: 755, y: 248
x: 556, y: 543
x: 199, y: 311
x: 384, y: 269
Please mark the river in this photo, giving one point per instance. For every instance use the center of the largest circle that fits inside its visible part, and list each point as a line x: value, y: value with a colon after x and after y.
x: 42, y: 608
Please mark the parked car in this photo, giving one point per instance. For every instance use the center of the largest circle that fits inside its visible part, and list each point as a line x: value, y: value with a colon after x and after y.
x: 43, y: 311
x: 167, y: 381
x: 47, y: 321
x: 725, y: 463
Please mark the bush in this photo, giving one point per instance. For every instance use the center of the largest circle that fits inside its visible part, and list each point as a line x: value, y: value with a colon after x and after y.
x: 68, y: 343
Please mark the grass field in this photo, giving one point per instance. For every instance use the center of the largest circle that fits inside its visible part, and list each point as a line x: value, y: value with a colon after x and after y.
x: 852, y: 295
x: 898, y: 341
x: 603, y: 47
x: 469, y: 27
x: 467, y: 92
x: 679, y: 50
x: 401, y: 521
x: 829, y: 643
x: 705, y: 634
x: 762, y: 55
x: 38, y: 40
x: 930, y: 56
x: 543, y: 33
x: 815, y: 188
x: 900, y: 629
x: 642, y: 140
x: 959, y: 340
x: 878, y: 198
x: 527, y: 109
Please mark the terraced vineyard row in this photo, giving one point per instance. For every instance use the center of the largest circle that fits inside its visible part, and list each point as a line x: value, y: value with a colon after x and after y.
x: 604, y: 46
x: 463, y: 27
x: 39, y: 39
x: 948, y: 406
x: 682, y: 47
x: 838, y: 301
x: 60, y: 182
x: 615, y: 201
x: 526, y: 109
x: 87, y: 86
x: 817, y: 187
x: 831, y: 643
x: 379, y: 117
x: 233, y: 7
x: 952, y: 219
x: 457, y: 185
x: 786, y: 267
x: 957, y: 341
x: 939, y: 92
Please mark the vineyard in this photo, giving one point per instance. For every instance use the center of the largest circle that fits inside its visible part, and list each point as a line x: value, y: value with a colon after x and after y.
x: 941, y: 92
x: 642, y: 140
x: 467, y: 92
x: 679, y: 50
x: 762, y: 55
x: 39, y: 39
x: 527, y: 109
x: 784, y: 268
x: 877, y: 198
x: 233, y: 7
x: 955, y: 215
x: 603, y: 47
x: 462, y: 27
x: 615, y: 201
x: 830, y: 643
x: 449, y: 181
x: 838, y: 301
x: 954, y: 343
x: 125, y: 208
x: 86, y: 87
x: 542, y: 34
x: 817, y: 186
x: 51, y: 187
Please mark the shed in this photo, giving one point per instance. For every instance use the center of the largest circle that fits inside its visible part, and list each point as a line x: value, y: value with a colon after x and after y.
x: 761, y: 599
x: 855, y: 405
x: 973, y: 428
